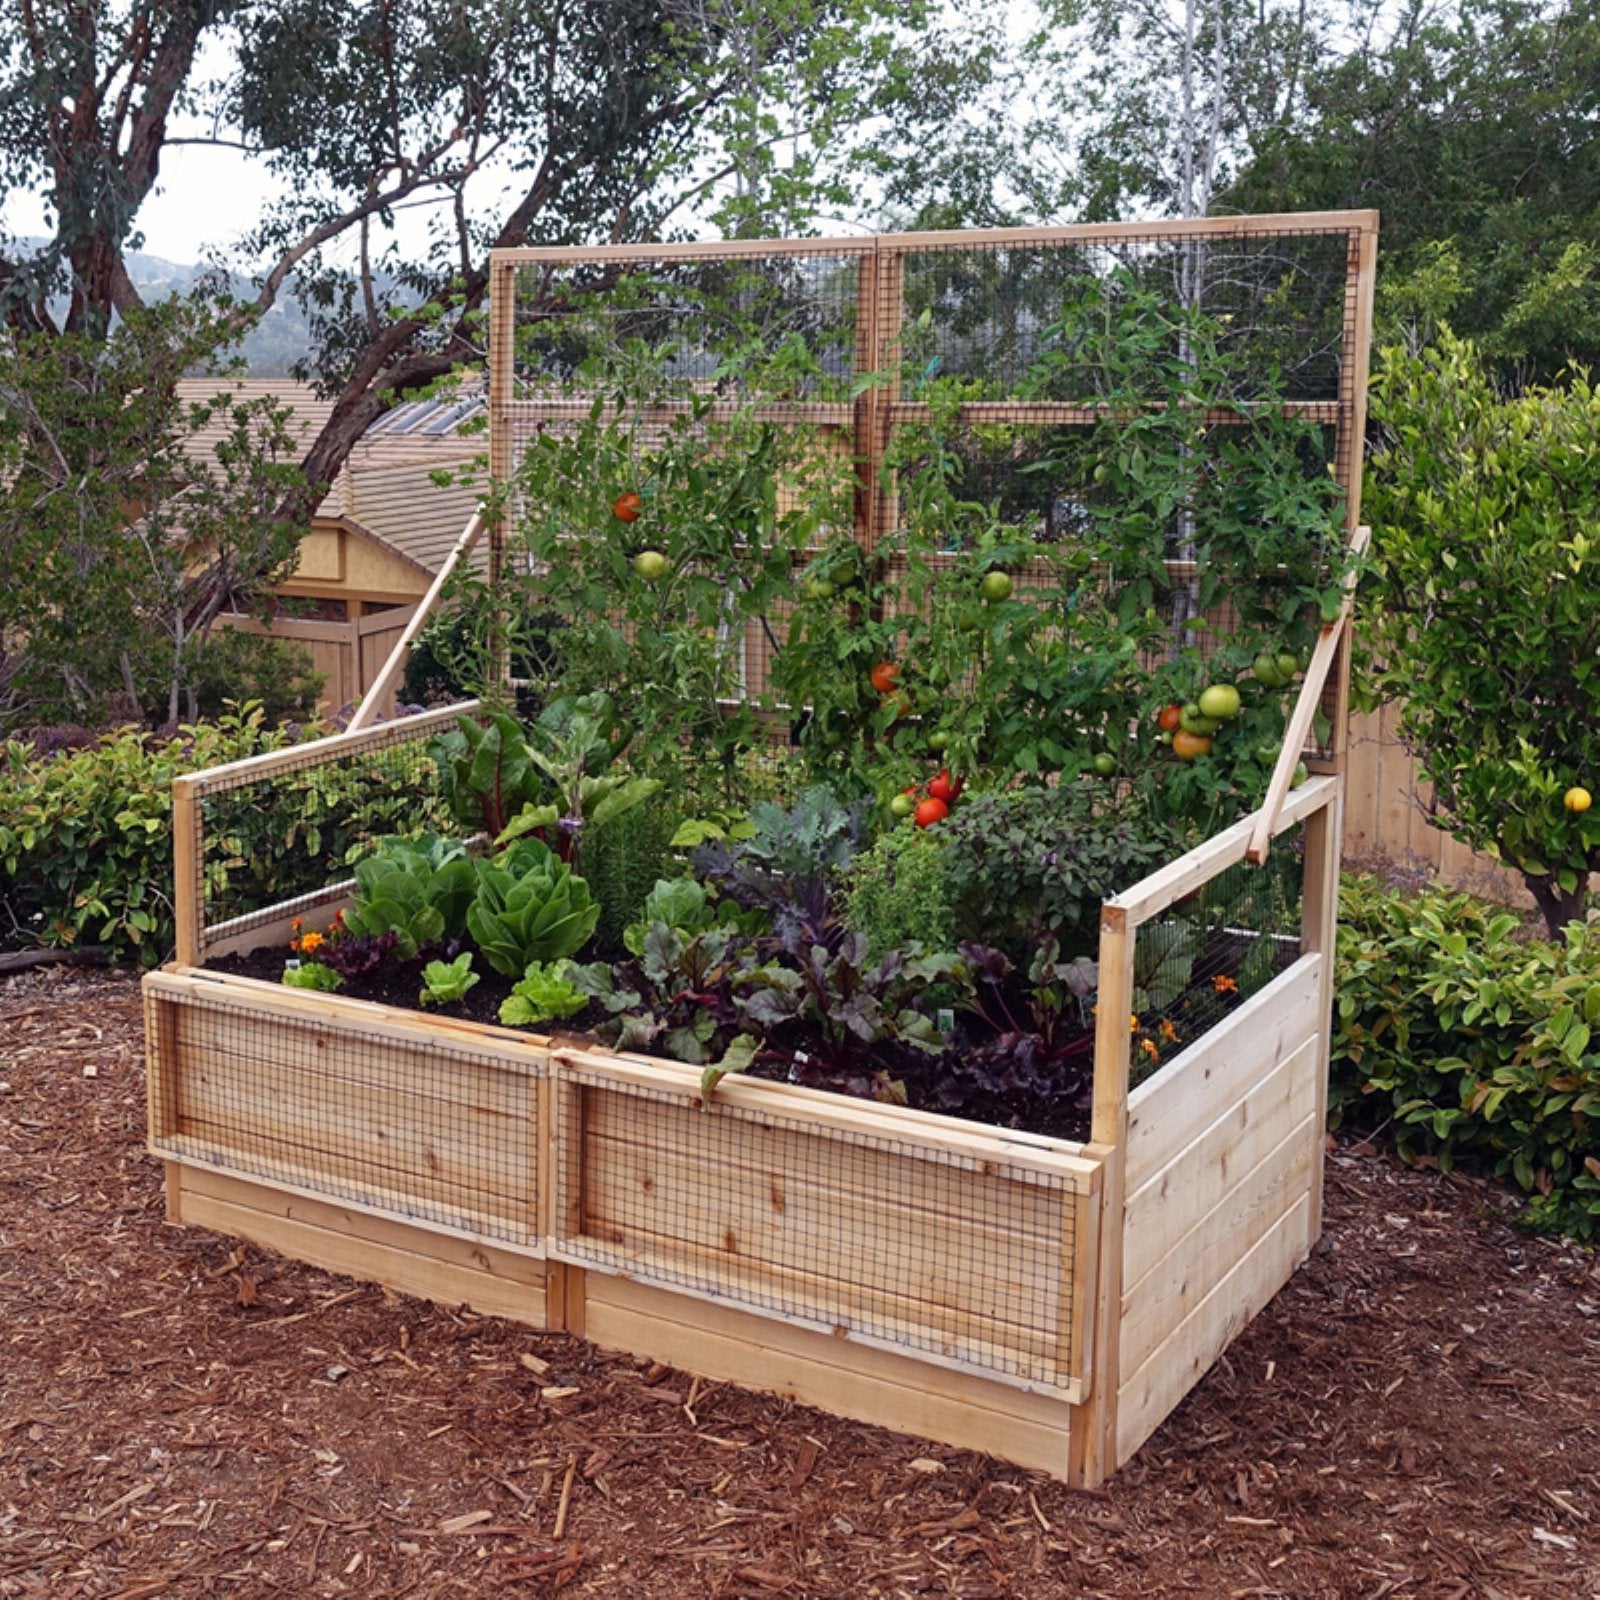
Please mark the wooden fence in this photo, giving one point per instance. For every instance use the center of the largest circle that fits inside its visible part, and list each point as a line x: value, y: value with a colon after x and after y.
x: 349, y: 655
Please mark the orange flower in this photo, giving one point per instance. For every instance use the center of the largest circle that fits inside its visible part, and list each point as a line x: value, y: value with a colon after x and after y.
x: 309, y: 942
x: 1133, y: 1023
x: 1149, y: 1048
x: 1223, y: 984
x: 1168, y: 1033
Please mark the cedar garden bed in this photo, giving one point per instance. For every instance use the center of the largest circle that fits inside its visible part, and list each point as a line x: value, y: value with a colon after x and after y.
x: 1043, y: 1299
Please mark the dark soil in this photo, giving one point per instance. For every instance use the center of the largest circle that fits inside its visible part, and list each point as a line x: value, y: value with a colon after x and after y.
x: 1413, y: 1418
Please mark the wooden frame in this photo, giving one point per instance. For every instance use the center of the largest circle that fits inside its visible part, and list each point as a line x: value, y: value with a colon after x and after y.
x: 1090, y: 1285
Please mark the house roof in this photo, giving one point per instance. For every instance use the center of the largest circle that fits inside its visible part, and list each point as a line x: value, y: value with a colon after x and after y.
x: 385, y: 487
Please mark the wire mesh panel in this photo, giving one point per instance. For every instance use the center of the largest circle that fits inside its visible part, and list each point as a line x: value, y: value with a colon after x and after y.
x: 962, y: 1257
x: 424, y: 1126
x: 281, y: 832
x: 1207, y: 954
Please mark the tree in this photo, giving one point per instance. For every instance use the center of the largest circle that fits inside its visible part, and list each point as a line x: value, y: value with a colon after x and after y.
x: 123, y: 536
x: 511, y: 121
x: 1476, y: 132
x: 1483, y: 614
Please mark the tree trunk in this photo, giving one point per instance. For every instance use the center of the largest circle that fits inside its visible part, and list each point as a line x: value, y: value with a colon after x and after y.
x: 1557, y: 907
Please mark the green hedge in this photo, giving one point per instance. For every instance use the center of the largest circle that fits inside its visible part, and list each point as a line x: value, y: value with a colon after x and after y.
x: 1471, y: 1043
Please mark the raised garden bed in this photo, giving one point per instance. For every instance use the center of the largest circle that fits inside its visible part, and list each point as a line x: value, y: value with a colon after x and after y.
x: 1045, y: 1299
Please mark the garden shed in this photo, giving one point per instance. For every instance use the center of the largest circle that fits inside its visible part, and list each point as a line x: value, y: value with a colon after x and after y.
x: 842, y: 405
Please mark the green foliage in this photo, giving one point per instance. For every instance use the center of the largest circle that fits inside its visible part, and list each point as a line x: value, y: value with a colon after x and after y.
x: 1472, y: 1044
x: 487, y: 772
x: 898, y: 892
x: 314, y: 975
x: 623, y: 858
x: 122, y: 537
x: 451, y: 659
x: 419, y: 890
x: 1027, y: 863
x: 233, y: 667
x: 446, y: 983
x: 1484, y: 615
x: 544, y: 993
x: 86, y: 837
x: 529, y: 908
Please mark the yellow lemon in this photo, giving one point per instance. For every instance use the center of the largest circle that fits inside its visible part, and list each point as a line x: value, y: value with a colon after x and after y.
x: 1577, y: 799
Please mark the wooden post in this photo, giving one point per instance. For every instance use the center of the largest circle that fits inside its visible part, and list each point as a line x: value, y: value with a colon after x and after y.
x: 868, y: 463
x: 187, y: 867
x: 1092, y: 1455
x: 1319, y: 924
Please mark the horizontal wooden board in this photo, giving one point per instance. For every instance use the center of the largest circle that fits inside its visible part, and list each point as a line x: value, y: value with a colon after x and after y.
x: 1172, y: 1200
x: 1151, y: 1391
x: 1203, y: 1256
x: 838, y: 1375
x: 410, y: 1259
x: 1219, y: 1069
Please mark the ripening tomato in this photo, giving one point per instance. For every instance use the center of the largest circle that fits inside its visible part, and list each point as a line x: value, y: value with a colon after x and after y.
x: 886, y: 677
x: 1169, y: 719
x: 626, y: 507
x: 929, y: 812
x: 945, y: 788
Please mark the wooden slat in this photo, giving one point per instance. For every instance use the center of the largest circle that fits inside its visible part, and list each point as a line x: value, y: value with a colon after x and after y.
x: 794, y: 413
x: 413, y: 1260
x: 1199, y: 1176
x: 1149, y: 1394
x: 1213, y: 1074
x: 702, y: 250
x: 1319, y: 931
x: 1204, y: 1255
x: 1269, y: 224
x: 843, y: 1377
x: 1063, y: 413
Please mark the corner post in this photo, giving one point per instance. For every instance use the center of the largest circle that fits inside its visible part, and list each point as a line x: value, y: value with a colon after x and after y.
x: 1092, y: 1455
x: 1319, y: 924
x: 186, y: 870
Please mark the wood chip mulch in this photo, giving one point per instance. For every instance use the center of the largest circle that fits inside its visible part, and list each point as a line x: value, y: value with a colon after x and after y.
x: 1416, y: 1415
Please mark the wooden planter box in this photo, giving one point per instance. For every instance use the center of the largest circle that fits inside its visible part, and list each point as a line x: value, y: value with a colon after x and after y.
x: 1044, y: 1301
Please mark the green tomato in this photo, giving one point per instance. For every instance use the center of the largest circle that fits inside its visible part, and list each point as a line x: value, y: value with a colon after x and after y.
x: 1105, y: 764
x: 1165, y: 736
x: 996, y: 586
x: 1288, y: 664
x: 938, y: 740
x: 651, y: 565
x: 1220, y: 702
x: 1191, y: 721
x: 820, y: 589
x: 1266, y: 754
x: 1265, y: 668
x: 1300, y: 775
x: 902, y: 805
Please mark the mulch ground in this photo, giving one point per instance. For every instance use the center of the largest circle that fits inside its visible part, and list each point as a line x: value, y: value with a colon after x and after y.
x: 1416, y: 1415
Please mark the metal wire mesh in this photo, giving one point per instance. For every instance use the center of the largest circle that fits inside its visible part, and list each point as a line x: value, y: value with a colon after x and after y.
x: 437, y: 1131
x: 275, y: 835
x: 900, y: 1244
x: 1207, y: 954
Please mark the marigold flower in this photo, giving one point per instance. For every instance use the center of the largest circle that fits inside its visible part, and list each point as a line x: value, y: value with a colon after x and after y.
x: 1149, y: 1048
x: 309, y: 942
x: 1133, y: 1023
x: 1223, y: 984
x: 1168, y: 1032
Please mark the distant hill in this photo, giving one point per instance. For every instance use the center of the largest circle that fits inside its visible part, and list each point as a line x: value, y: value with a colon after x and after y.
x: 280, y: 339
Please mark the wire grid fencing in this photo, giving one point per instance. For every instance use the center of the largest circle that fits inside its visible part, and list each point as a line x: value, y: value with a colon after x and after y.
x: 1030, y: 374
x: 903, y: 1245
x: 439, y: 1131
x: 283, y: 833
x: 1201, y: 959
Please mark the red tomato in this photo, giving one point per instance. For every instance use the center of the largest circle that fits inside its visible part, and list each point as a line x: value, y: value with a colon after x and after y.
x: 886, y: 677
x: 930, y: 812
x: 945, y: 788
x: 1169, y: 719
x: 626, y: 507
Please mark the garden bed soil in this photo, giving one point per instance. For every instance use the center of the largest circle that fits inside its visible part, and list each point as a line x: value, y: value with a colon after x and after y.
x: 182, y: 1416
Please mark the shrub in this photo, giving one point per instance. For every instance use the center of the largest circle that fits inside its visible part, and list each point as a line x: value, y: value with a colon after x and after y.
x: 1034, y: 862
x: 1473, y: 1044
x: 86, y: 837
x: 898, y: 893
